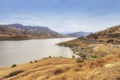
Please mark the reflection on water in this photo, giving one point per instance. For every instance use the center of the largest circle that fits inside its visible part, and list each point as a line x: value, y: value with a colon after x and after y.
x: 16, y: 52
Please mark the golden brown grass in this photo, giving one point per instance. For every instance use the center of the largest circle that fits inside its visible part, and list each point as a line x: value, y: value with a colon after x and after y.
x: 107, y: 68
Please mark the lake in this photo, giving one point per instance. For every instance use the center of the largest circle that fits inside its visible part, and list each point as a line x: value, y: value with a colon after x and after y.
x: 18, y: 52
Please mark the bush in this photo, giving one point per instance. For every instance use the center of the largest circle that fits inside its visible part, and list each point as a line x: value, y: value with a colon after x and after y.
x: 93, y: 56
x: 61, y: 57
x: 58, y: 71
x: 110, y: 41
x: 49, y: 56
x: 79, y: 60
x: 14, y: 65
x: 31, y: 62
x: 73, y: 56
x: 35, y: 61
x: 13, y: 74
x: 83, y: 55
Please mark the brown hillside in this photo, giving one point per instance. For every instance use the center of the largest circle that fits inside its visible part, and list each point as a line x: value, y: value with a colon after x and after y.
x: 18, y: 31
x: 110, y: 35
x: 107, y: 68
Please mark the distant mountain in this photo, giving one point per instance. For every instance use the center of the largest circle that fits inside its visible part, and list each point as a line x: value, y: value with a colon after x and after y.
x: 78, y: 34
x: 18, y: 31
x: 110, y: 35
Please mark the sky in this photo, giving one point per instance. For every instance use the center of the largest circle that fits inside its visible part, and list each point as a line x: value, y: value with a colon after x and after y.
x: 64, y: 16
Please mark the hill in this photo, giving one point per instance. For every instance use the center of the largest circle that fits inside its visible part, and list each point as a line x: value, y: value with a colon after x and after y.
x: 18, y: 31
x: 97, y: 61
x: 103, y: 46
x: 78, y: 34
x: 96, y: 45
x: 110, y: 35
x: 107, y: 68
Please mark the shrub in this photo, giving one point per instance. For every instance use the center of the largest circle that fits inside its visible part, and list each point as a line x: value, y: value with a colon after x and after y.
x: 110, y: 41
x: 13, y: 73
x: 31, y: 62
x: 35, y: 61
x: 79, y: 60
x: 58, y: 71
x: 73, y: 56
x: 61, y: 57
x: 49, y: 56
x: 93, y: 56
x: 14, y: 65
x: 83, y: 55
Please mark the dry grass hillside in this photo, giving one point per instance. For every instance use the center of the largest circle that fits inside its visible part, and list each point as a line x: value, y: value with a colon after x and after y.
x: 107, y: 68
x: 104, y: 49
x: 110, y: 35
x: 98, y: 44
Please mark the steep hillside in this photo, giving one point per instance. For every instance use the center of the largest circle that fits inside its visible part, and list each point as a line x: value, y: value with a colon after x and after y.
x: 78, y: 34
x: 18, y: 31
x: 110, y: 35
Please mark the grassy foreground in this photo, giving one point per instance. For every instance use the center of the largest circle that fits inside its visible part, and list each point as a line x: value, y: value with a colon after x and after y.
x: 107, y: 68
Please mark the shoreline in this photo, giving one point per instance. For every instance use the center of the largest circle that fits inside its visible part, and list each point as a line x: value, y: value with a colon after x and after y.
x: 92, y: 49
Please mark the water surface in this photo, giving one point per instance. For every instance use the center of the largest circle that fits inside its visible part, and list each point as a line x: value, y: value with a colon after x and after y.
x: 17, y: 52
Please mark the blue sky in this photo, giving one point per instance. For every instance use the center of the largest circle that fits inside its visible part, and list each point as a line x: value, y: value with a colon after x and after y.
x: 62, y: 15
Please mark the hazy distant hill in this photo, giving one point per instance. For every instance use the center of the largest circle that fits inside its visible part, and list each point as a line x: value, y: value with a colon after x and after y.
x: 78, y: 34
x: 110, y: 35
x: 18, y: 31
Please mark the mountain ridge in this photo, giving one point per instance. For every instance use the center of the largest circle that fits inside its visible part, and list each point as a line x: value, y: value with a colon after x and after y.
x: 109, y: 35
x: 19, y: 31
x: 78, y: 34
